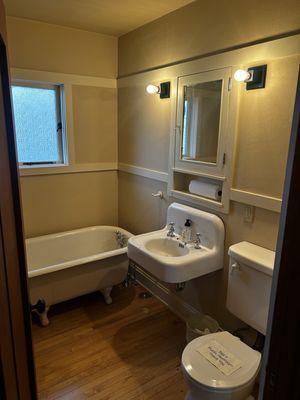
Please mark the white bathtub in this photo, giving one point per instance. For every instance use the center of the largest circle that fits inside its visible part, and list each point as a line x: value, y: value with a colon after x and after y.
x: 65, y: 265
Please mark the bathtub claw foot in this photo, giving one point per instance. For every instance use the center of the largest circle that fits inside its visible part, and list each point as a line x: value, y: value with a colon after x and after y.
x: 43, y: 317
x: 106, y: 294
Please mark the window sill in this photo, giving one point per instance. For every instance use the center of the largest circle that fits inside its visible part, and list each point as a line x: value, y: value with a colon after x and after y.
x: 33, y: 170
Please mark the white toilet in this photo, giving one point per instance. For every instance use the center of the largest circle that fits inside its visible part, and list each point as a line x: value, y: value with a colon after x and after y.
x: 220, y: 366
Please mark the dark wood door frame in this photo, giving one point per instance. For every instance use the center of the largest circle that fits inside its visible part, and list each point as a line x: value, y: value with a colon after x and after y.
x: 281, y: 366
x: 17, y: 364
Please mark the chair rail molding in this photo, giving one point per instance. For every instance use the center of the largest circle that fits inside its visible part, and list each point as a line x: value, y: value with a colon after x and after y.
x: 256, y: 199
x: 145, y: 172
x: 67, y: 169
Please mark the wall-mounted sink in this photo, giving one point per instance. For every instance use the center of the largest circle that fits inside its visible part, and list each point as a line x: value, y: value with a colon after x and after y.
x: 168, y: 258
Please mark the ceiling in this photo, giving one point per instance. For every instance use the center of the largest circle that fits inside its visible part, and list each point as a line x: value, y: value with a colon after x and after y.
x: 113, y: 17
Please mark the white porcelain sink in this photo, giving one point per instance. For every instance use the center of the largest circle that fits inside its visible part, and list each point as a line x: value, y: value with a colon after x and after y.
x: 169, y: 259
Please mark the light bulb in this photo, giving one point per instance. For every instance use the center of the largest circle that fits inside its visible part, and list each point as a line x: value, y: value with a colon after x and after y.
x: 241, y: 75
x: 152, y: 89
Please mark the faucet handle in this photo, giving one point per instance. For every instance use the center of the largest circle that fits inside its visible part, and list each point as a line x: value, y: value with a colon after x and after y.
x: 171, y: 231
x: 198, y: 241
x: 158, y: 194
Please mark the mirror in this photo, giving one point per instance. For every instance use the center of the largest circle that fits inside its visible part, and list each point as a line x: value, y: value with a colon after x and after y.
x: 201, y: 120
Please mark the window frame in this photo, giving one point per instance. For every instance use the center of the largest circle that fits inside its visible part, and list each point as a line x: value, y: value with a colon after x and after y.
x: 61, y: 119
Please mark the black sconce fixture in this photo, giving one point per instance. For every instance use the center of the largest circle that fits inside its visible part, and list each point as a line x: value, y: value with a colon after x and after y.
x: 254, y: 77
x: 165, y: 90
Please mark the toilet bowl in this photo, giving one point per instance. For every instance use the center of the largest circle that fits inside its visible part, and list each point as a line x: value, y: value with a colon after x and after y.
x: 207, y: 382
x: 219, y: 366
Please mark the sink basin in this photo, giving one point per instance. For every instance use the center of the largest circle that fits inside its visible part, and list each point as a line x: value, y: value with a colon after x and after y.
x: 166, y: 247
x: 169, y: 259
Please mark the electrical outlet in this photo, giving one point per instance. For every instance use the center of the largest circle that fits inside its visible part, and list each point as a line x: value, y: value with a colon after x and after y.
x: 248, y: 214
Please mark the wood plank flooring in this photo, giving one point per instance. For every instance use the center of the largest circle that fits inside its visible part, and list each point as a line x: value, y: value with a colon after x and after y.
x: 129, y: 350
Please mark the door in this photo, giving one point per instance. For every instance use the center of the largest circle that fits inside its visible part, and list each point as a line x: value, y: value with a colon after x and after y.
x: 17, y: 366
x: 281, y: 367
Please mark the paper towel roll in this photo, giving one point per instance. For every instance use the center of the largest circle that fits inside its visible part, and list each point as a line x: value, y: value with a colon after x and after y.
x: 206, y: 189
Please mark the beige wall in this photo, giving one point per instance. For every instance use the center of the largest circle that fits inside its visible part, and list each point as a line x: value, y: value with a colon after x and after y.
x: 263, y: 122
x: 59, y: 202
x: 263, y: 131
x: 265, y: 118
x: 139, y: 212
x: 53, y: 203
x: 95, y: 124
x: 53, y: 48
x: 80, y: 199
x: 143, y: 124
x: 204, y: 27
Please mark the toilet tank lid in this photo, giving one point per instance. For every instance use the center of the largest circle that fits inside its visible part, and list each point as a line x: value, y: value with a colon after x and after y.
x: 253, y: 256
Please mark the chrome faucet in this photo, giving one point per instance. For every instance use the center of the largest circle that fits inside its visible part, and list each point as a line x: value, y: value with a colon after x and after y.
x: 171, y: 231
x: 198, y: 241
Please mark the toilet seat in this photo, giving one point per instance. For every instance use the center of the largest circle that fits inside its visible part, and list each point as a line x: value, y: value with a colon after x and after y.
x: 204, y: 373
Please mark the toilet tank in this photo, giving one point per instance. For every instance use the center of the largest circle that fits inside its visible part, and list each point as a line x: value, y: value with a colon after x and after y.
x: 249, y: 283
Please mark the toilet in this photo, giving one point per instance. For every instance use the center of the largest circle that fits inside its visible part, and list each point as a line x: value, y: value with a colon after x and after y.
x: 219, y: 366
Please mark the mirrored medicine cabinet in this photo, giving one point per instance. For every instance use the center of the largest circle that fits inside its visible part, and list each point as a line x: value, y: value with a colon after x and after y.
x: 202, y: 135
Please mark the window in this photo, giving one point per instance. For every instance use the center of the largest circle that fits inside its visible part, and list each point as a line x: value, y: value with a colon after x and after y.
x: 38, y: 123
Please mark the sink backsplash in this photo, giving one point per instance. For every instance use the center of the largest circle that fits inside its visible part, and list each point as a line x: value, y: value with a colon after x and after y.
x: 207, y: 224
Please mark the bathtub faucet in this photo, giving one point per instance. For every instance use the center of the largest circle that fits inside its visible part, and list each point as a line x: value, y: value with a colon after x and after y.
x: 121, y: 239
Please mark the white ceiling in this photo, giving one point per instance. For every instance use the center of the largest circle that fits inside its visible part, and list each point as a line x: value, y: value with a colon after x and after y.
x: 114, y: 17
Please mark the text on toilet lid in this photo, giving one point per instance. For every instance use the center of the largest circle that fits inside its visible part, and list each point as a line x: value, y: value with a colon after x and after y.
x: 220, y: 357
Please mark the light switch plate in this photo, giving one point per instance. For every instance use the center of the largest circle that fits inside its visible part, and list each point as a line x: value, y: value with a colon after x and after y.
x: 248, y: 214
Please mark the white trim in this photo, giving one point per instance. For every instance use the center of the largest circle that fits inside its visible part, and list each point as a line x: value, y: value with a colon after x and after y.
x: 241, y: 196
x: 256, y: 199
x: 69, y: 122
x: 60, y: 78
x: 218, y: 168
x: 205, y: 202
x: 202, y: 174
x: 67, y: 169
x: 145, y: 172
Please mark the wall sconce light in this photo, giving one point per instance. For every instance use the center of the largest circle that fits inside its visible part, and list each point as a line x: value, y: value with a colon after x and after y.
x: 254, y: 77
x: 242, y: 75
x: 163, y: 89
x: 152, y: 89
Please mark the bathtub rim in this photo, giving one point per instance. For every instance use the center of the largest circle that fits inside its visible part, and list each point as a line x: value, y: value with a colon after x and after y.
x: 78, y: 261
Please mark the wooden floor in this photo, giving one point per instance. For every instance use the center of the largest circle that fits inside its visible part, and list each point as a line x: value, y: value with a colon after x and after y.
x: 128, y: 350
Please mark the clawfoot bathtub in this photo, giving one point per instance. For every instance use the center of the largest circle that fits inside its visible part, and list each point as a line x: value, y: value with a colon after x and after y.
x: 65, y: 265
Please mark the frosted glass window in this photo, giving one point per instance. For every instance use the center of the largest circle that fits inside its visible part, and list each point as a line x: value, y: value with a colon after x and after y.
x: 38, y: 124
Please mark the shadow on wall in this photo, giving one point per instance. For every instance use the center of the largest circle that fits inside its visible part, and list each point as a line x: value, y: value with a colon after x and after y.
x: 139, y: 211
